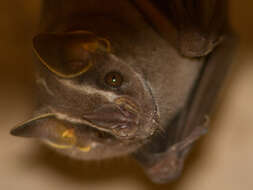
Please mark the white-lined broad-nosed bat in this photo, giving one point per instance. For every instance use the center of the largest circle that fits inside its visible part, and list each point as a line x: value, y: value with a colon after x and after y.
x: 128, y: 77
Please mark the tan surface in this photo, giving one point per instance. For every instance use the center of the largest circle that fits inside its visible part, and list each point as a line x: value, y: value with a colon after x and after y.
x: 221, y: 160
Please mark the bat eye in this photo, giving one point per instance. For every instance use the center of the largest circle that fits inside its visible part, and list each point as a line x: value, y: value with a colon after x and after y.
x: 114, y: 79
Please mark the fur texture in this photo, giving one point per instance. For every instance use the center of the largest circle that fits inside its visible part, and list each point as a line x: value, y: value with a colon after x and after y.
x: 81, y: 43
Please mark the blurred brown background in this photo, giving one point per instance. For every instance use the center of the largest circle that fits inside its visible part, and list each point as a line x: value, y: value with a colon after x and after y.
x: 221, y: 160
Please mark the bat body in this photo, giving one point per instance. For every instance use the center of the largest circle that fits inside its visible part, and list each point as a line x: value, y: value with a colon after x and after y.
x: 122, y: 77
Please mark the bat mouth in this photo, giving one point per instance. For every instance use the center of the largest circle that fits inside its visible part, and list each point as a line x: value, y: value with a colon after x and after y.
x: 94, y: 133
x: 113, y: 126
x: 108, y: 125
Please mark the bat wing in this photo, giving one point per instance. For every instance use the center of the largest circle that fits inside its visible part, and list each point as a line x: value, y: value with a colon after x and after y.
x: 163, y: 158
x: 194, y: 27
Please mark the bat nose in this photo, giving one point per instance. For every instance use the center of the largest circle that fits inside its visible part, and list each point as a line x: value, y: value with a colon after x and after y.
x: 111, y: 116
x: 121, y: 122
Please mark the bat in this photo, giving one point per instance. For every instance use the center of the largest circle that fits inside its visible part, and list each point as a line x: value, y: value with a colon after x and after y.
x: 130, y: 77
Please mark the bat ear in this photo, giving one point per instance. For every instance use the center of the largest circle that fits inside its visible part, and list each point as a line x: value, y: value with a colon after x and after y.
x: 46, y: 127
x: 33, y: 128
x: 55, y: 132
x: 68, y: 54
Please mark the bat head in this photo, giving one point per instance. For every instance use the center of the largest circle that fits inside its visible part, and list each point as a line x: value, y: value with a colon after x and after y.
x: 91, y: 101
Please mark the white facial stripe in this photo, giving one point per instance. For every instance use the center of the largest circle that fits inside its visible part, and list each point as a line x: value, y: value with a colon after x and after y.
x: 42, y: 82
x: 110, y: 96
x: 65, y: 117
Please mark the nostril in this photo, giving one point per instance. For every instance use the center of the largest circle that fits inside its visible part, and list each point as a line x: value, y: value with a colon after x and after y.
x: 129, y: 114
x: 125, y: 131
x: 128, y: 104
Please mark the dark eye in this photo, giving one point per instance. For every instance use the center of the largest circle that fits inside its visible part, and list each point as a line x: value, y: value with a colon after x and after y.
x: 114, y: 79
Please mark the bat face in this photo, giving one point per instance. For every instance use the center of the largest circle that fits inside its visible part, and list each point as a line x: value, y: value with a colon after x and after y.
x: 92, y: 101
